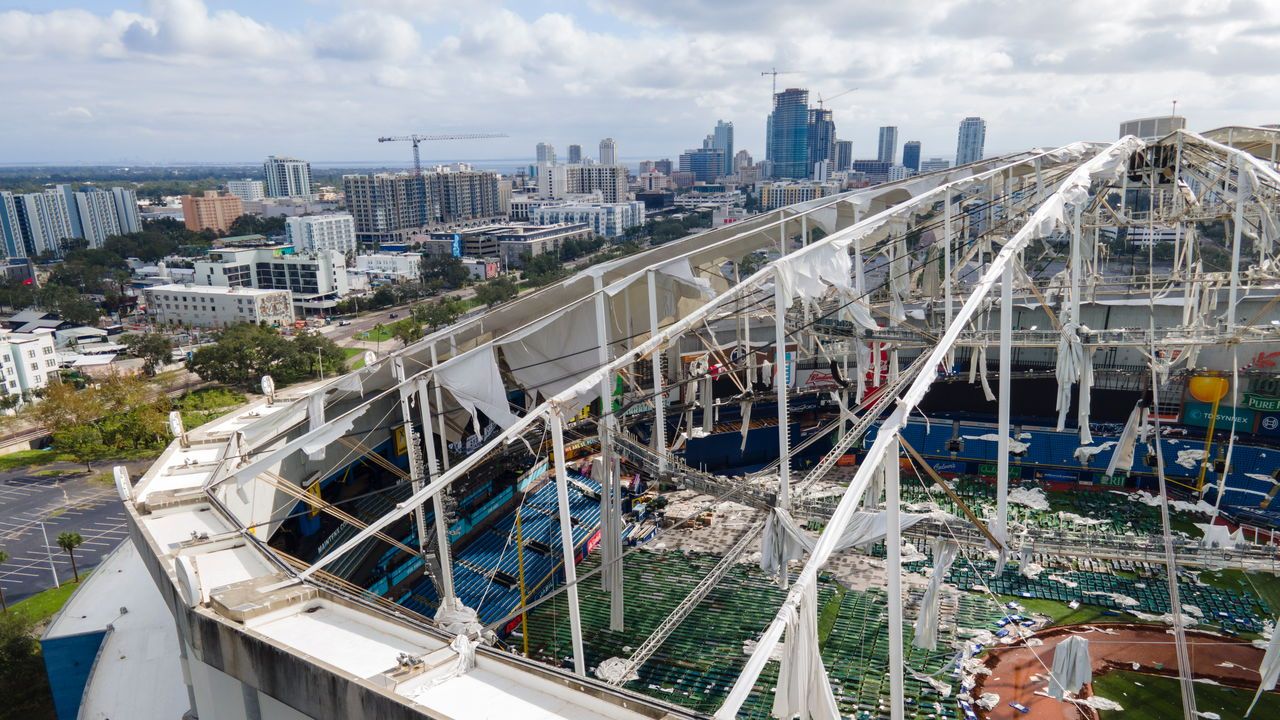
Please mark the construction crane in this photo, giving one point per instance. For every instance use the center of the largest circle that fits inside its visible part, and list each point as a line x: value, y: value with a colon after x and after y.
x: 775, y: 72
x: 416, y: 139
x: 822, y: 100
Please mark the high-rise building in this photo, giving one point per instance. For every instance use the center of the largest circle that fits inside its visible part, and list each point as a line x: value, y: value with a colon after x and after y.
x: 95, y: 211
x: 73, y: 215
x: 608, y: 152
x: 560, y: 181
x: 461, y: 196
x: 663, y: 166
x: 706, y: 164
x: 911, y: 155
x: 546, y: 154
x: 10, y: 230
x: 1151, y: 129
x: 788, y: 142
x: 722, y: 140
x: 888, y: 151
x: 741, y: 159
x: 211, y: 211
x: 575, y: 154
x: 970, y: 140
x: 43, y: 221
x: 822, y: 137
x: 386, y: 207
x: 247, y: 190
x: 126, y: 202
x: 934, y: 165
x: 334, y: 231
x: 287, y: 177
x: 774, y: 195
x: 877, y: 171
x: 899, y: 172
x: 843, y: 155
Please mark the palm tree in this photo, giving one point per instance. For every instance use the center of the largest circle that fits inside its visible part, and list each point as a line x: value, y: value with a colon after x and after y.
x: 378, y: 330
x: 69, y: 541
x: 4, y: 606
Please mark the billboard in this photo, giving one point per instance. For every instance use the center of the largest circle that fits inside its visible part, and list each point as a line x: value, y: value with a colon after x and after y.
x: 1198, y: 414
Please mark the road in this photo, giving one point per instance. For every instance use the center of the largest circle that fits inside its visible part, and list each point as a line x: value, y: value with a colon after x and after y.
x: 62, y: 503
x: 345, y: 335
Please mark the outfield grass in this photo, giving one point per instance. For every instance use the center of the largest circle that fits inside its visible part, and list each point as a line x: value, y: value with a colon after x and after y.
x: 42, y: 606
x: 1151, y: 697
x: 1062, y: 614
x: 1265, y: 585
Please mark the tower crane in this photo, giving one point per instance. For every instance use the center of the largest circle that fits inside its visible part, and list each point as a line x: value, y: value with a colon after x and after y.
x: 822, y: 100
x: 416, y: 139
x: 775, y: 72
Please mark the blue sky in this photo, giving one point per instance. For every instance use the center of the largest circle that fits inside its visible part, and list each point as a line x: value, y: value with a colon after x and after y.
x: 133, y: 81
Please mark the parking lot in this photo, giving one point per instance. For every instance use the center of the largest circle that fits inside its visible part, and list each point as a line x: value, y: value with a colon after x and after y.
x: 35, y: 506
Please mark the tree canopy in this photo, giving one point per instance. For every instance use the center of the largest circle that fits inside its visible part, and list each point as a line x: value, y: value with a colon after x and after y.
x: 244, y: 353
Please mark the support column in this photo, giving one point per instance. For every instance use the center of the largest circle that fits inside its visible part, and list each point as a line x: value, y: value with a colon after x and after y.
x: 780, y: 387
x: 411, y: 447
x: 1237, y: 222
x: 442, y: 524
x: 659, y: 392
x: 566, y: 538
x: 1075, y: 265
x: 946, y: 270
x: 1005, y: 395
x: 610, y: 492
x: 893, y: 571
x: 444, y: 437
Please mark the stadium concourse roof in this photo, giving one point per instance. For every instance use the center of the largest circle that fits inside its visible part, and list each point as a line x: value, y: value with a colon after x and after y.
x: 203, y: 512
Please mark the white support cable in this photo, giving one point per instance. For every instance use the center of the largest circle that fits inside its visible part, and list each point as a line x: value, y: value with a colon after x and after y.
x: 780, y: 389
x: 416, y: 466
x: 1171, y: 568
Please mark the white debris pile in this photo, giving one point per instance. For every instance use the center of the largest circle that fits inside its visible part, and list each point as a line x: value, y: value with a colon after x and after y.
x: 1017, y: 447
x: 988, y: 701
x: 1033, y: 498
x: 1146, y: 498
x: 1122, y: 600
x: 1190, y: 458
x: 1097, y: 702
x: 1208, y: 715
x: 1085, y: 453
x: 1079, y: 519
x: 1060, y: 579
x: 616, y: 670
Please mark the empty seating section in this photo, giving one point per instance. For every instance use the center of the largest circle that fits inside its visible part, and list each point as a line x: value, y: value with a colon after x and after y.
x: 1248, y: 478
x: 485, y: 572
x: 700, y: 661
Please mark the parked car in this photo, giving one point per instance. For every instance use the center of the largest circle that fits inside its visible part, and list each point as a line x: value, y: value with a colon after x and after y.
x: 343, y: 323
x: 395, y: 315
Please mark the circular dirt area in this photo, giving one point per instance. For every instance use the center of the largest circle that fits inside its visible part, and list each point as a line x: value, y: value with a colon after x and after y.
x: 1018, y: 676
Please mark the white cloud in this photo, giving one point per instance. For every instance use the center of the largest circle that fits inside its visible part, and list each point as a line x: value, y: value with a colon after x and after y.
x: 75, y: 112
x: 655, y: 74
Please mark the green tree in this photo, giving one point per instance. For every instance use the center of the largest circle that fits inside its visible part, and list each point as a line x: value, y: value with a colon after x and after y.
x: 257, y: 225
x: 438, y: 314
x: 24, y: 683
x: 446, y: 268
x: 154, y: 349
x: 497, y: 290
x: 543, y: 269
x: 84, y: 443
x: 242, y: 354
x: 407, y: 331
x: 69, y: 541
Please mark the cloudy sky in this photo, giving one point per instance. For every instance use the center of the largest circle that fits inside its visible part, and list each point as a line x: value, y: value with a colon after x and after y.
x: 234, y: 80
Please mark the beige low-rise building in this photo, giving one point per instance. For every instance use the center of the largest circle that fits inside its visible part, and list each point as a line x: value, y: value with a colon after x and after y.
x: 190, y: 305
x: 211, y: 211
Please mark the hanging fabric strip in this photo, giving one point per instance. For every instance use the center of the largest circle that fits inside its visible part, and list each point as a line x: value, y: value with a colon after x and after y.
x: 803, y: 689
x: 926, y: 630
x: 1270, y: 667
x: 1122, y: 457
x: 745, y: 406
x: 785, y: 541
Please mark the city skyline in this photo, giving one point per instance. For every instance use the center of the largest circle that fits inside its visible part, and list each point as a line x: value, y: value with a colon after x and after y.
x: 297, y: 78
